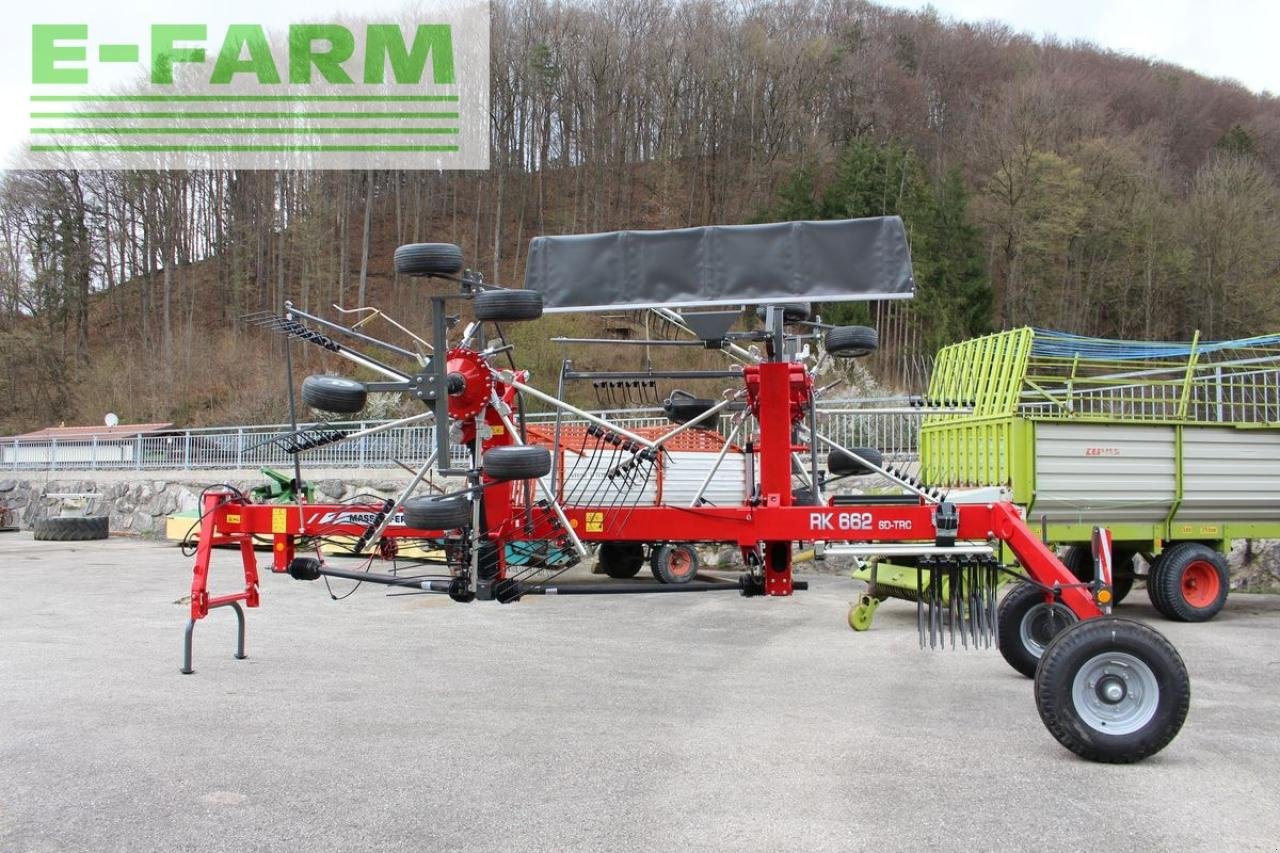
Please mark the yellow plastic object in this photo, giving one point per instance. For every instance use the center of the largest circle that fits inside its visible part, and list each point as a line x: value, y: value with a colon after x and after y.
x: 861, y: 614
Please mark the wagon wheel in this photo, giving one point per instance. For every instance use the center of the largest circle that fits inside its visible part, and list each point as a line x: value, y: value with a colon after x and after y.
x: 620, y: 559
x: 1189, y: 582
x: 1112, y: 690
x: 675, y: 563
x: 1079, y: 560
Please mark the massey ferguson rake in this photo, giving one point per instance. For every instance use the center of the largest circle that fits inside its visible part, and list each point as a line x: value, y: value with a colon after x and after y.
x: 529, y: 502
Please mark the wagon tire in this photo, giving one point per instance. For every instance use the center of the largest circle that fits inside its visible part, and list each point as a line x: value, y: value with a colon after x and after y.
x: 502, y: 306
x: 1026, y: 625
x: 437, y: 513
x: 517, y: 462
x: 842, y: 464
x: 1189, y: 583
x: 851, y: 341
x: 620, y: 560
x: 1112, y: 690
x: 428, y: 259
x: 1079, y: 560
x: 335, y: 394
x: 70, y: 528
x: 675, y: 563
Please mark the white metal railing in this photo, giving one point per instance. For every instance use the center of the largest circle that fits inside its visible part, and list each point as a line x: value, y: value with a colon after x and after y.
x: 247, y: 447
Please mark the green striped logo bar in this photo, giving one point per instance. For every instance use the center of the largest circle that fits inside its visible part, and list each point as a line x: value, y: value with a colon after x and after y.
x: 398, y: 91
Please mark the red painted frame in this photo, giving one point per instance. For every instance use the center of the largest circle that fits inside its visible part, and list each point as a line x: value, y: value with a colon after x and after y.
x: 778, y: 393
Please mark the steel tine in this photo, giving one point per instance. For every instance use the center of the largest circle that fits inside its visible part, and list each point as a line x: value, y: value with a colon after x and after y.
x: 920, y: 601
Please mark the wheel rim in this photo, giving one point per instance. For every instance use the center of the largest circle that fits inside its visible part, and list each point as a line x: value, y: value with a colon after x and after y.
x: 1201, y: 584
x: 1115, y: 693
x: 1041, y: 624
x: 680, y: 563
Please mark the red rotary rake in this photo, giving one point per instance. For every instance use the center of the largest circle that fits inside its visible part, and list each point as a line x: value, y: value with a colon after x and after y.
x: 532, y: 501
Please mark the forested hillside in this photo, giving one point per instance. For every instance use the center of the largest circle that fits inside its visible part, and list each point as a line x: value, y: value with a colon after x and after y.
x: 1042, y: 183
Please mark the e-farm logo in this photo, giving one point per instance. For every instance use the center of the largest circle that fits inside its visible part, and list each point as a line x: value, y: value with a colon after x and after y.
x: 369, y: 94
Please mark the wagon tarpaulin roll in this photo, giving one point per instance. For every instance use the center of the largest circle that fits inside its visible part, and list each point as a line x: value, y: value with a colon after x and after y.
x: 834, y: 261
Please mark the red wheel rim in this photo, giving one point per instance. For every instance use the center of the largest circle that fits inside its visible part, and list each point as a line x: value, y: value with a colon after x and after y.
x: 681, y: 563
x: 1201, y: 584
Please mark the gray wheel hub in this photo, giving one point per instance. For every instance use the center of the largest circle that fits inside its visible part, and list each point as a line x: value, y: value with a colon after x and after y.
x: 1115, y: 693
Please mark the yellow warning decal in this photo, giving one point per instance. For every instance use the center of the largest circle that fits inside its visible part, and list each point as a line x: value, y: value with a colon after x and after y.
x: 595, y: 522
x: 279, y: 520
x: 498, y: 429
x: 233, y: 519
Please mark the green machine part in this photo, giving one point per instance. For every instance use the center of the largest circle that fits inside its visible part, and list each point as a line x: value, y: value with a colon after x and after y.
x: 280, y: 488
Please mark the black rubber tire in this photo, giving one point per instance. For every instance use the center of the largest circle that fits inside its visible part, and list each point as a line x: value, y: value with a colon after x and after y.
x: 1025, y: 617
x: 685, y: 409
x: 1167, y: 585
x: 435, y: 513
x: 851, y: 341
x: 792, y: 312
x: 335, y: 394
x: 841, y: 464
x: 428, y: 259
x: 503, y: 306
x: 70, y: 528
x: 620, y: 559
x: 675, y: 563
x: 515, y: 462
x: 1088, y: 647
x: 1079, y: 560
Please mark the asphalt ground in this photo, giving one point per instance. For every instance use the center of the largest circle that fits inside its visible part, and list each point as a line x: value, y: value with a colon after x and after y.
x: 620, y: 722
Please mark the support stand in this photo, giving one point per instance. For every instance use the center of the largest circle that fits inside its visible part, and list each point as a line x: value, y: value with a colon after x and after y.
x: 191, y: 629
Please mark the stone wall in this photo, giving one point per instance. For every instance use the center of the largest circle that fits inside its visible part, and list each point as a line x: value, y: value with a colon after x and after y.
x: 139, y: 502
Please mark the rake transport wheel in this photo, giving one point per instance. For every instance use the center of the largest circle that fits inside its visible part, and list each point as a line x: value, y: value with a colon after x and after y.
x: 1079, y: 559
x: 841, y: 464
x: 1112, y: 690
x: 70, y: 528
x: 1026, y: 624
x: 501, y: 306
x: 675, y: 563
x: 1189, y: 582
x: 681, y: 410
x: 620, y: 559
x: 435, y: 513
x: 515, y: 462
x: 335, y: 394
x: 428, y: 259
x: 851, y: 341
x: 792, y: 312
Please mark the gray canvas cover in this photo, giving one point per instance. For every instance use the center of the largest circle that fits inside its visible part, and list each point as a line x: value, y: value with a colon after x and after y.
x: 833, y: 261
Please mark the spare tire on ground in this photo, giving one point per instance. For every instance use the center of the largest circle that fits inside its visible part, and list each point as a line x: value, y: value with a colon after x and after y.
x: 428, y: 259
x: 70, y: 528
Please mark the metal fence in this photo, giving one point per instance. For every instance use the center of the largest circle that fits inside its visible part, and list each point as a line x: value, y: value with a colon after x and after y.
x: 249, y: 447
